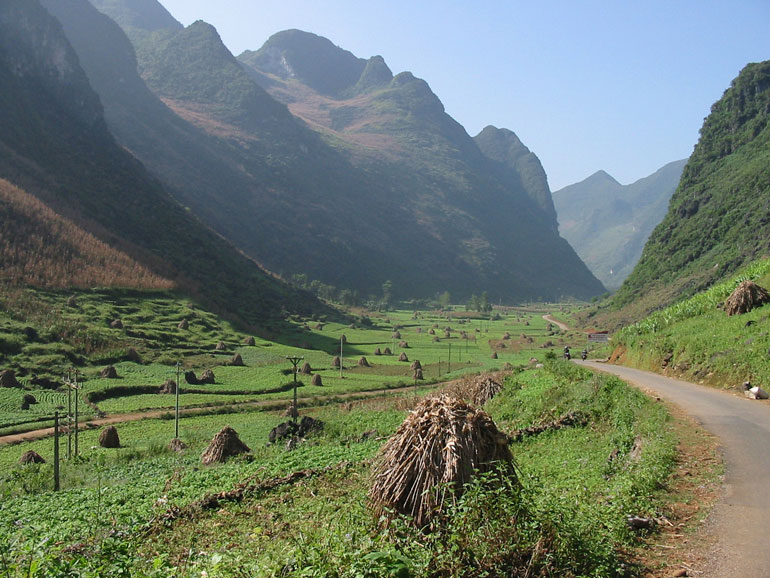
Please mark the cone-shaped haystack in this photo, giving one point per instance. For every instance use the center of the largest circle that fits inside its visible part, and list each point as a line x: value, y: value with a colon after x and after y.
x: 133, y: 355
x: 418, y: 373
x: 249, y: 341
x: 224, y: 445
x: 396, y: 335
x: 494, y: 355
x: 177, y: 445
x: 109, y: 372
x: 220, y: 346
x: 485, y: 387
x: 363, y: 362
x: 116, y: 324
x: 207, y: 377
x: 403, y: 345
x: 343, y: 339
x: 336, y: 362
x: 306, y: 369
x: 387, y: 351
x: 433, y: 455
x: 316, y: 380
x: 184, y: 324
x: 377, y: 351
x: 291, y: 411
x: 432, y: 332
x: 416, y: 364
x: 168, y: 387
x: 403, y: 357
x: 109, y: 438
x: 8, y: 378
x: 747, y: 296
x: 237, y: 360
x: 31, y: 457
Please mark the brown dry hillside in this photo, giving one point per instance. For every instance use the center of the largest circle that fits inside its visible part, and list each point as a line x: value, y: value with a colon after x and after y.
x: 41, y: 248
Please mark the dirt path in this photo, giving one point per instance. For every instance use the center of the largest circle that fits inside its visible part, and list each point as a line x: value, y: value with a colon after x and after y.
x: 740, y: 522
x: 154, y: 414
x: 559, y: 324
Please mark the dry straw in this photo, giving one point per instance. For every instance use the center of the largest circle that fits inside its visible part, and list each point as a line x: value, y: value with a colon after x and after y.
x: 224, y: 445
x: 747, y: 296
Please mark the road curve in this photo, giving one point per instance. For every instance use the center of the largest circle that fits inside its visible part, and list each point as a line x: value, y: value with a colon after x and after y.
x: 559, y: 324
x: 740, y: 522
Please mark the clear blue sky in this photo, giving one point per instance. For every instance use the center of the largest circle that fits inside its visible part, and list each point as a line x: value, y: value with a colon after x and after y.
x: 615, y: 85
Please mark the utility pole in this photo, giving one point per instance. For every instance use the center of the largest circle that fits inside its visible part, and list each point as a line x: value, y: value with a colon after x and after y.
x: 75, y: 386
x: 176, y: 402
x: 295, y: 361
x: 56, y: 451
x: 342, y: 358
x: 69, y: 416
x: 449, y: 370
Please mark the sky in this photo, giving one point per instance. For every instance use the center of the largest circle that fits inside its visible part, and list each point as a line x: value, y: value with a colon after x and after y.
x: 621, y: 86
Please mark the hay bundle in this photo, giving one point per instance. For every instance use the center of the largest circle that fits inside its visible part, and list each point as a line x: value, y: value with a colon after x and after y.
x: 494, y: 355
x: 419, y: 330
x: 237, y: 360
x: 168, y: 387
x: 318, y: 327
x: 109, y: 372
x: 72, y: 301
x: 433, y: 455
x: 377, y: 351
x: 8, y: 378
x: 387, y: 351
x: 190, y: 377
x: 506, y: 336
x: 109, y: 438
x: 447, y: 335
x: 396, y: 335
x: 403, y: 345
x: 291, y: 411
x: 220, y: 346
x: 133, y: 355
x: 484, y: 388
x: 436, y: 339
x: 416, y: 364
x: 207, y: 377
x: 363, y: 362
x: 418, y: 373
x: 306, y: 369
x: 177, y: 445
x: 31, y: 457
x: 431, y: 332
x: 316, y: 380
x: 116, y: 324
x: 183, y: 324
x: 29, y: 399
x: 747, y: 296
x: 249, y: 341
x: 224, y: 445
x: 336, y: 362
x: 403, y: 357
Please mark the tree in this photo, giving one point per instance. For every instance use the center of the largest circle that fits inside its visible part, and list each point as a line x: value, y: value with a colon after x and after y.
x: 445, y: 300
x: 484, y: 302
x: 474, y: 304
x: 387, y: 293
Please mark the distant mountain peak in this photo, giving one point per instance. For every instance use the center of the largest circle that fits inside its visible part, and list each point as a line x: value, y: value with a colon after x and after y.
x: 602, y: 175
x: 149, y: 15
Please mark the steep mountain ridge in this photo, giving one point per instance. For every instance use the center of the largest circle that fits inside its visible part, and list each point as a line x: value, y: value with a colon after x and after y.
x: 608, y: 223
x: 719, y: 216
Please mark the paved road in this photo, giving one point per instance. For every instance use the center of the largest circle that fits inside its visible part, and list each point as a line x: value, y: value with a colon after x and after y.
x: 741, y: 520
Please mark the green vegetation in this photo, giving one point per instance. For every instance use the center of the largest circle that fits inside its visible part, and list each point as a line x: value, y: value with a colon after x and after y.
x: 118, y: 512
x: 696, y: 338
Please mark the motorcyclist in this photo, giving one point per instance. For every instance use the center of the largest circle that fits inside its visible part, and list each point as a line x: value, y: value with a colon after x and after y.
x: 584, y: 354
x: 566, y: 352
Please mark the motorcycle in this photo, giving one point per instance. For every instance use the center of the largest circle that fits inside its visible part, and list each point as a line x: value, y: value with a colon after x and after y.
x: 567, y: 356
x: 583, y: 355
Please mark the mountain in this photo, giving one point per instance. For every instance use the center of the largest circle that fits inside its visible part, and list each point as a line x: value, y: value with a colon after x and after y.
x: 408, y: 198
x: 719, y: 217
x: 56, y: 146
x: 608, y: 223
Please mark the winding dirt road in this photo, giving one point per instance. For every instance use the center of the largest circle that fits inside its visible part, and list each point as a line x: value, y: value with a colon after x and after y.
x: 559, y: 324
x: 740, y: 522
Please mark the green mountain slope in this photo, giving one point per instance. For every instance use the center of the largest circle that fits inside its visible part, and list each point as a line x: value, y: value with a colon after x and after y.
x: 55, y: 144
x: 608, y: 223
x: 719, y: 216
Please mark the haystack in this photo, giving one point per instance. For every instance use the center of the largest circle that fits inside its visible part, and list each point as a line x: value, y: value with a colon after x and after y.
x: 183, y: 324
x: 431, y: 332
x: 191, y: 378
x: 316, y: 380
x: 436, y: 339
x: 419, y: 330
x: 31, y: 457
x: 168, y: 387
x: 431, y: 457
x: 336, y: 362
x: 237, y: 360
x: 485, y: 387
x: 418, y: 374
x: 306, y: 369
x: 109, y: 438
x: 377, y: 351
x: 177, y: 445
x: 224, y: 445
x: 249, y: 341
x: 8, y: 378
x: 404, y: 345
x: 403, y: 357
x: 29, y: 399
x: 747, y: 296
x: 133, y: 355
x: 291, y: 411
x: 207, y: 377
x: 220, y: 346
x: 109, y: 372
x: 387, y: 351
x: 494, y: 355
x: 72, y: 301
x: 506, y: 336
x: 363, y: 362
x: 396, y: 335
x: 116, y: 324
x: 416, y: 364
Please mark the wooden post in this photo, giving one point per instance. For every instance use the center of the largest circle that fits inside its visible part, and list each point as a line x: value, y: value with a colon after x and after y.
x: 76, y: 412
x: 176, y: 404
x: 56, y: 451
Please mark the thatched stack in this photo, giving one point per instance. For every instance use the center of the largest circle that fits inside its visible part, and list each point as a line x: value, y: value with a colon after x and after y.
x: 183, y: 324
x: 747, y: 296
x: 109, y: 372
x: 29, y: 399
x: 31, y: 457
x: 220, y: 346
x: 506, y: 336
x: 8, y: 378
x: 291, y: 411
x: 177, y: 445
x: 237, y: 360
x: 494, y: 355
x: 363, y: 362
x: 418, y: 373
x: 191, y: 378
x: 387, y: 351
x: 377, y: 351
x: 249, y: 341
x: 416, y: 365
x: 316, y: 380
x: 72, y: 301
x: 484, y: 388
x: 168, y: 387
x: 419, y: 330
x: 404, y: 345
x: 433, y: 455
x: 133, y: 355
x: 224, y: 445
x: 403, y: 357
x: 336, y: 362
x: 396, y: 335
x: 207, y: 377
x: 116, y: 324
x: 108, y: 438
x: 431, y: 331
x: 306, y: 369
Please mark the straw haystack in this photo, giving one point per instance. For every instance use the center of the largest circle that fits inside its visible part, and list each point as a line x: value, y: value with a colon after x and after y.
x: 183, y: 324
x: 418, y: 373
x: 207, y: 377
x: 416, y: 364
x: 404, y: 345
x: 31, y: 457
x: 387, y: 351
x: 433, y: 455
x: 168, y: 387
x: 177, y: 445
x: 109, y: 372
x: 431, y: 332
x: 190, y: 377
x: 747, y: 296
x: 436, y: 339
x: 249, y: 341
x: 419, y: 330
x: 72, y: 301
x: 109, y: 438
x: 224, y: 445
x: 116, y: 324
x: 336, y: 362
x: 403, y: 357
x: 484, y: 388
x: 237, y: 360
x: 377, y: 351
x: 363, y: 362
x: 306, y: 369
x: 316, y: 380
x: 8, y: 378
x: 396, y: 335
x: 291, y: 411
x: 220, y: 346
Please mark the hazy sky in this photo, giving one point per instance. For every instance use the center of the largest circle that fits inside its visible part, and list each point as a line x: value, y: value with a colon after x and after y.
x: 619, y: 85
